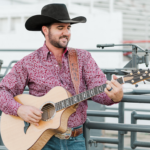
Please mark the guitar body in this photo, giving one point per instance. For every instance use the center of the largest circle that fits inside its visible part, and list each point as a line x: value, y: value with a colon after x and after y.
x: 12, y: 127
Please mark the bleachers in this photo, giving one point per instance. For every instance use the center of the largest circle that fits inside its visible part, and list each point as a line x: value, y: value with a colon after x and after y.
x: 136, y: 17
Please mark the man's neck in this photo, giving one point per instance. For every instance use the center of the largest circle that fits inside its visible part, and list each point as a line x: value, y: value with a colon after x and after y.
x: 57, y: 52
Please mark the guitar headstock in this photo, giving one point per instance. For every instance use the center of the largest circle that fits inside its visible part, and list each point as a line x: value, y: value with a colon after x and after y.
x: 136, y: 76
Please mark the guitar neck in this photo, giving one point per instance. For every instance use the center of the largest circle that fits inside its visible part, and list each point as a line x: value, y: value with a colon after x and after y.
x: 82, y: 96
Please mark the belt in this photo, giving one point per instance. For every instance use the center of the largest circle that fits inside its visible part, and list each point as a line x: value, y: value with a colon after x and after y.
x: 77, y: 132
x: 69, y: 133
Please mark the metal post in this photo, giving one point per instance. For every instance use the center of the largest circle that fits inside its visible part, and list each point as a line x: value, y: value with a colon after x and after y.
x: 133, y: 134
x: 1, y: 142
x: 86, y: 135
x: 108, y: 76
x: 121, y: 133
x: 134, y: 57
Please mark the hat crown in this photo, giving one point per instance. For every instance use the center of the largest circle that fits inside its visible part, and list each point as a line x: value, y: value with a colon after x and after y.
x: 57, y: 11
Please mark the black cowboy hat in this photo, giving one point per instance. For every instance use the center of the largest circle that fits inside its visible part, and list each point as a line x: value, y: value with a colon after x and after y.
x: 51, y: 13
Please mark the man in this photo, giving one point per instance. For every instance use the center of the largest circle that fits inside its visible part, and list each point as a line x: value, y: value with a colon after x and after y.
x: 48, y: 67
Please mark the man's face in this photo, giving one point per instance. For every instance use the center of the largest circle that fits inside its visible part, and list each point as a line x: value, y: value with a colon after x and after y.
x: 59, y: 34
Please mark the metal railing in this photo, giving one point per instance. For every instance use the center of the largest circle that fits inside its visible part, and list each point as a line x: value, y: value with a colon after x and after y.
x: 120, y: 126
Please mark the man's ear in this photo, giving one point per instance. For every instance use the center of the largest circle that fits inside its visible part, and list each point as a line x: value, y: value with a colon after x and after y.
x: 45, y: 30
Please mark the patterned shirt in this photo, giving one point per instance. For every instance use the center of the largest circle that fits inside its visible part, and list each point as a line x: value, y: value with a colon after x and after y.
x: 41, y: 72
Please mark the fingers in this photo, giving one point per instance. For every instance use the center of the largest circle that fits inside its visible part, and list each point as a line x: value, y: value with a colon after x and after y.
x: 37, y: 112
x: 113, y: 83
x: 30, y: 114
x: 115, y: 77
x: 116, y: 93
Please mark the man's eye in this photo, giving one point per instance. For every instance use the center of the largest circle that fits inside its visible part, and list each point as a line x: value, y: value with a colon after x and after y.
x: 60, y: 28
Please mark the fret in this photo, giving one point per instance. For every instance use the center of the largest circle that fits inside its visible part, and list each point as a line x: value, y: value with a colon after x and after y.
x: 92, y: 92
x: 56, y: 106
x: 59, y: 105
x: 72, y: 101
x: 88, y: 94
x: 80, y: 97
x: 100, y: 89
x: 95, y: 91
x: 104, y: 86
x: 84, y: 95
x: 67, y: 102
x: 62, y: 103
x: 75, y: 99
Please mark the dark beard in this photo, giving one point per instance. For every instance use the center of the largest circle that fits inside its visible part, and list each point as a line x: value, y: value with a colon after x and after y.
x: 55, y: 43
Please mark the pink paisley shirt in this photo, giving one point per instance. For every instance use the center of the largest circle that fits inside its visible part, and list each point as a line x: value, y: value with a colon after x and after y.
x: 41, y: 72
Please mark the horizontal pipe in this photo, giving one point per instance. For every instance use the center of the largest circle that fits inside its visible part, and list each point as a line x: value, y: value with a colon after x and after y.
x: 129, y: 109
x: 136, y: 99
x: 117, y: 127
x: 103, y: 140
x: 142, y: 144
x: 142, y: 117
x: 125, y: 148
x: 90, y: 50
x: 102, y: 113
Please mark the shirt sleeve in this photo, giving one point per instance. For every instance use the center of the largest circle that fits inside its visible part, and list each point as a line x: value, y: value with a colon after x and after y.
x: 95, y: 77
x: 13, y: 84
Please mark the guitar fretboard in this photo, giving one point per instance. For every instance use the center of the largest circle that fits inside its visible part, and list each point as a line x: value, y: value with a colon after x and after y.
x: 82, y: 96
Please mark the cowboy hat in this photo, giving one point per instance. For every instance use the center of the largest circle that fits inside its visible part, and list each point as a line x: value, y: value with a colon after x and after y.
x: 52, y: 13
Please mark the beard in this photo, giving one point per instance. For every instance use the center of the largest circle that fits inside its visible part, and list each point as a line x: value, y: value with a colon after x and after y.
x: 57, y: 43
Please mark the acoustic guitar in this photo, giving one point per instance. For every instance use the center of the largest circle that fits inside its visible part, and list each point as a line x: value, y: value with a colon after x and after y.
x: 57, y: 105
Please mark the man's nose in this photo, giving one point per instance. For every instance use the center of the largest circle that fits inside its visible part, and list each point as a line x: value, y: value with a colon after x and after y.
x: 66, y: 32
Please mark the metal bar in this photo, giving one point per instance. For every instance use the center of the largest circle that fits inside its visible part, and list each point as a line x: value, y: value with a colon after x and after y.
x: 121, y: 120
x: 9, y: 66
x: 115, y: 126
x: 143, y: 144
x: 125, y: 148
x: 129, y: 109
x: 141, y: 116
x: 102, y: 113
x: 86, y: 132
x: 90, y: 50
x: 133, y: 134
x: 103, y: 140
x: 136, y: 99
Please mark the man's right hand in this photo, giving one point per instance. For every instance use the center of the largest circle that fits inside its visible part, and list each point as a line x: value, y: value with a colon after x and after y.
x: 30, y: 114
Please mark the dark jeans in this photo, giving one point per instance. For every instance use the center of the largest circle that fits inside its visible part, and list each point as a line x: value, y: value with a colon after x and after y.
x: 73, y: 143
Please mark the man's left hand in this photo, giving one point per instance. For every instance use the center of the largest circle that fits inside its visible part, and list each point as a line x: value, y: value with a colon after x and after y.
x: 114, y: 90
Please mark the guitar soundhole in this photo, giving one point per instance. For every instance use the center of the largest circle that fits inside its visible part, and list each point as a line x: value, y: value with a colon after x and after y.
x: 48, y: 111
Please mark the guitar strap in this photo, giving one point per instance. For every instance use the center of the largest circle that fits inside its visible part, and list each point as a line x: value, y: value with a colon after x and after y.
x: 74, y: 68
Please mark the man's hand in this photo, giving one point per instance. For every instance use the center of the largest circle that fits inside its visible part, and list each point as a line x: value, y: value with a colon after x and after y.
x: 30, y: 114
x: 116, y: 91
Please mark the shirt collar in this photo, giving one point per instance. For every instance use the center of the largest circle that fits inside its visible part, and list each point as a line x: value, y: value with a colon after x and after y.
x: 46, y: 51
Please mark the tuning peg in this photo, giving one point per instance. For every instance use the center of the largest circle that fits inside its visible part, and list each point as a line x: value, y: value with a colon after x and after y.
x: 144, y: 82
x: 136, y: 85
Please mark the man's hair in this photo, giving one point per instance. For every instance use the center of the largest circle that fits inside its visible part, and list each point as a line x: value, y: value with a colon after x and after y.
x: 48, y: 26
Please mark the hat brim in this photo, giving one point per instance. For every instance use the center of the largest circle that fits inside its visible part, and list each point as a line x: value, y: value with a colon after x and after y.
x: 35, y: 23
